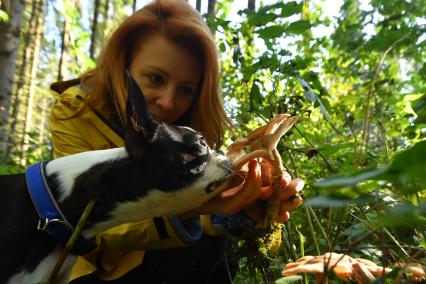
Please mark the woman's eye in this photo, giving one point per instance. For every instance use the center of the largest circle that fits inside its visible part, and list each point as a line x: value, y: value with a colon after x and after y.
x: 155, y: 79
x: 188, y: 91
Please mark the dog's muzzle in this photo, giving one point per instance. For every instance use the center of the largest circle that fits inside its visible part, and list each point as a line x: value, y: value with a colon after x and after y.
x: 226, y: 166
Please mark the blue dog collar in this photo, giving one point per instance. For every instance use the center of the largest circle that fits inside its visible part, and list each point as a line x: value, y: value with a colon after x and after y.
x: 51, y: 218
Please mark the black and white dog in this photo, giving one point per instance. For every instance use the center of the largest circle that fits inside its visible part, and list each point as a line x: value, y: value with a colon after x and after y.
x: 162, y: 169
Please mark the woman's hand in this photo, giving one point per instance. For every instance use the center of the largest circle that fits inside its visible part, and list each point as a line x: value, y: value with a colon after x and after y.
x: 249, y: 191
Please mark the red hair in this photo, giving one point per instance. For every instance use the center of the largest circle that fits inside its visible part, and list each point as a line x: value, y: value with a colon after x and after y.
x: 180, y: 23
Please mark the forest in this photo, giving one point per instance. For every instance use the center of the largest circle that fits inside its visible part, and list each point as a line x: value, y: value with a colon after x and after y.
x: 352, y: 71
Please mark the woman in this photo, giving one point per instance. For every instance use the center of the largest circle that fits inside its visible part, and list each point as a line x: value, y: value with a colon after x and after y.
x: 171, y: 54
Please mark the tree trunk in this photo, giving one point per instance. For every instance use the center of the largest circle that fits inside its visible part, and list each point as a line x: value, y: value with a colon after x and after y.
x: 33, y: 79
x: 62, y: 67
x: 198, y: 5
x: 134, y: 5
x: 106, y: 10
x: 307, y: 35
x: 251, y: 6
x: 22, y: 81
x: 42, y: 129
x: 9, y: 42
x: 95, y: 29
x: 211, y: 8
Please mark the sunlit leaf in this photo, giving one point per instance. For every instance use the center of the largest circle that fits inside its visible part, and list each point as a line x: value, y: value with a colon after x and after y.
x: 312, y: 97
x: 4, y: 17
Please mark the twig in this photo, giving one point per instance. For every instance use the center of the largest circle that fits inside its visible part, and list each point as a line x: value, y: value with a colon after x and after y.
x: 369, y: 95
x: 71, y: 241
x: 311, y: 229
x: 329, y: 167
x: 320, y: 227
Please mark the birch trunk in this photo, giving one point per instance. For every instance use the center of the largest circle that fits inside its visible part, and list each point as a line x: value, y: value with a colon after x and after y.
x: 251, y: 6
x: 22, y: 81
x: 33, y: 80
x: 62, y: 68
x: 9, y: 42
x: 94, y: 34
x: 198, y: 6
x: 211, y: 8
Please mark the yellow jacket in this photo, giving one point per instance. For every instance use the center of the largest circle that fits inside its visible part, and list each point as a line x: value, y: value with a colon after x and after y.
x: 119, y: 249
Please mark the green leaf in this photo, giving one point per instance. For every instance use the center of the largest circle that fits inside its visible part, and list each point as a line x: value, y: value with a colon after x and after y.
x: 410, y: 164
x: 255, y: 97
x: 419, y: 106
x: 311, y: 96
x: 330, y: 149
x: 271, y: 32
x: 342, y: 181
x: 385, y: 39
x: 328, y: 201
x: 405, y: 215
x: 289, y: 279
x: 222, y: 47
x: 263, y: 19
x: 291, y: 8
x: 4, y: 17
x: 422, y: 71
x: 298, y: 27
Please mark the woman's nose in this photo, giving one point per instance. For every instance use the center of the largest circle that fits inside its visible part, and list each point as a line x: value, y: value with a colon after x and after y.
x: 166, y: 100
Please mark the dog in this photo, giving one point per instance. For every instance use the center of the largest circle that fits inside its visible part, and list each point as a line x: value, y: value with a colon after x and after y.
x: 162, y: 170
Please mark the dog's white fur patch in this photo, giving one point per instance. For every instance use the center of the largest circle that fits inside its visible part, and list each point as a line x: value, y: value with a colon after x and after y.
x: 159, y: 203
x: 44, y: 268
x: 69, y: 167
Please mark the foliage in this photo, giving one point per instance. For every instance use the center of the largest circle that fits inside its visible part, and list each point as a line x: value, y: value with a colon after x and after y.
x: 360, y: 94
x: 4, y: 17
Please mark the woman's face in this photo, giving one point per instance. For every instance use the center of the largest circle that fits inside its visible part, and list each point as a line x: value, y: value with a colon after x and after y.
x: 168, y: 75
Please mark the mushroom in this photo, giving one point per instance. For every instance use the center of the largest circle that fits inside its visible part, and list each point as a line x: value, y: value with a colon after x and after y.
x: 414, y: 269
x: 344, y: 266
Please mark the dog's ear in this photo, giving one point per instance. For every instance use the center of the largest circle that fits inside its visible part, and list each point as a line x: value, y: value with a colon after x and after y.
x: 138, y: 117
x: 140, y: 125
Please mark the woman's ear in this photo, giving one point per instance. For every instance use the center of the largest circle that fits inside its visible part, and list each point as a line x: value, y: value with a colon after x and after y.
x: 140, y: 125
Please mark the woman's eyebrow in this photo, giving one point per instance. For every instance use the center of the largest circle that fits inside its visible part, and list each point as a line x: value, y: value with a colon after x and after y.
x: 165, y: 73
x: 155, y: 68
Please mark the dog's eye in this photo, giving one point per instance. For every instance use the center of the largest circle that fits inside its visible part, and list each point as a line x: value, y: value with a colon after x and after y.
x: 188, y: 157
x: 202, y: 143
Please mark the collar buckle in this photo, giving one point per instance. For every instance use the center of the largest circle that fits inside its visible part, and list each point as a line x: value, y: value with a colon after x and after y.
x: 43, y: 224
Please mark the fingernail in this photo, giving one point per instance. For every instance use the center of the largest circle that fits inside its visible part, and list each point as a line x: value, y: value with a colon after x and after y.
x: 299, y: 185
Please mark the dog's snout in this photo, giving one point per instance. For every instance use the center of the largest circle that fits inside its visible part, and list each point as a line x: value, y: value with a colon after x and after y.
x: 227, y: 165
x: 220, y: 152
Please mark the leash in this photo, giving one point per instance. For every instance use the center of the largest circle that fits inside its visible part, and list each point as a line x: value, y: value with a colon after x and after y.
x: 71, y: 241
